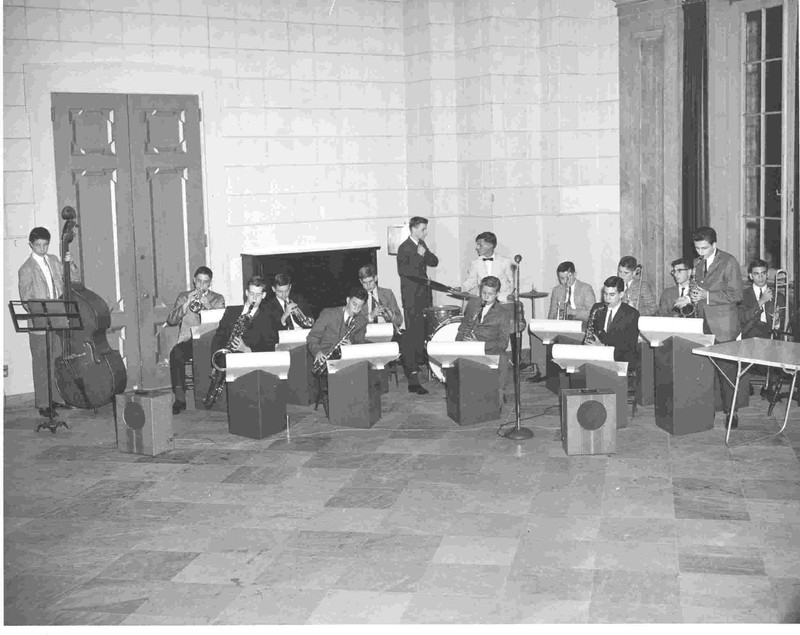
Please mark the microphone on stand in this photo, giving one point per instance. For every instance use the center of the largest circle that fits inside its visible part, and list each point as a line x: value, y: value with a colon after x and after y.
x: 517, y: 433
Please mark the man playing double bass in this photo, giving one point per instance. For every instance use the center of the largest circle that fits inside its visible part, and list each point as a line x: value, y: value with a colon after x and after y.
x: 41, y: 277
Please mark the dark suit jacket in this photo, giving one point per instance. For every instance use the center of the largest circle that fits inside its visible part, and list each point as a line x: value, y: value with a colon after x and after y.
x: 329, y: 329
x: 258, y: 336
x: 495, y: 326
x: 724, y: 284
x: 386, y: 298
x: 409, y: 263
x: 622, y: 334
x: 668, y: 298
x: 584, y: 299
x: 274, y: 312
x: 750, y: 314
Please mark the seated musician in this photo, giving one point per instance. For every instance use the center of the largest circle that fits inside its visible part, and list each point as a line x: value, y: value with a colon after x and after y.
x: 487, y: 320
x: 616, y: 324
x: 284, y: 312
x: 757, y: 309
x: 571, y: 299
x: 381, y: 304
x: 334, y: 323
x: 257, y: 336
x: 186, y: 314
x: 637, y: 292
x: 675, y: 300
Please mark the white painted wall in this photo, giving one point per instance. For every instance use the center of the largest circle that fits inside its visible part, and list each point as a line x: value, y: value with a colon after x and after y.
x: 326, y: 126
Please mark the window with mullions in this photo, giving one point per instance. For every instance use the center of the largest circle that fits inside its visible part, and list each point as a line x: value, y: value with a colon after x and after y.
x: 763, y: 133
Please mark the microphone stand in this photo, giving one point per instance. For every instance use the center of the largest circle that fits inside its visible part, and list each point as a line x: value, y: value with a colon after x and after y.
x: 517, y: 433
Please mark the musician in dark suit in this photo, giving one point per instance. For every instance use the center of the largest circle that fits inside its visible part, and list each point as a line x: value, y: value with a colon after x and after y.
x: 488, y: 320
x: 718, y: 293
x: 257, y: 337
x: 673, y: 299
x: 413, y: 259
x: 284, y: 312
x: 571, y: 296
x: 381, y: 304
x: 186, y: 314
x: 616, y: 324
x: 757, y: 310
x: 41, y: 277
x: 333, y: 324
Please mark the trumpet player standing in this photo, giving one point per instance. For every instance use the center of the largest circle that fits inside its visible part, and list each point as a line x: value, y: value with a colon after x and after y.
x: 675, y: 299
x: 186, y: 314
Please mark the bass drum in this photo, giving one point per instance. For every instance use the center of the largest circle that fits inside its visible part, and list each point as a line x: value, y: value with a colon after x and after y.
x: 435, y: 316
x: 445, y: 332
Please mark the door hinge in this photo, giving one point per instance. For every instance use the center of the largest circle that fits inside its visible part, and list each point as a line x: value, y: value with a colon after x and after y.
x: 199, y: 114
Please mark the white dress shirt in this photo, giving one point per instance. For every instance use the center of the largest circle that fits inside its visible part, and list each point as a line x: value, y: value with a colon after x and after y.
x: 47, y: 272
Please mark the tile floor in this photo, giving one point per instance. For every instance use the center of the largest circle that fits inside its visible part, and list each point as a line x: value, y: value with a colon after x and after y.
x: 416, y: 520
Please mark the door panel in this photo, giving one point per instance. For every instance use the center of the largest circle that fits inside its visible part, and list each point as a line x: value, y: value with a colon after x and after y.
x: 167, y: 206
x: 130, y: 166
x: 93, y: 176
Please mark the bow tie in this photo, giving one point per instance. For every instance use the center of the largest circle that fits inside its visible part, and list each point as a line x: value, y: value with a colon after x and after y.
x: 490, y: 259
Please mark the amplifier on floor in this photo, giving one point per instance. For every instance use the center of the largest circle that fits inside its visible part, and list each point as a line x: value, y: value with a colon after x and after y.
x: 588, y: 421
x: 144, y: 422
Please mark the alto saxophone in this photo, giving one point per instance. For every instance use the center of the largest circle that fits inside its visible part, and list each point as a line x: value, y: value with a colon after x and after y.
x: 320, y: 366
x: 470, y: 334
x: 589, y: 335
x: 218, y: 374
x: 690, y: 310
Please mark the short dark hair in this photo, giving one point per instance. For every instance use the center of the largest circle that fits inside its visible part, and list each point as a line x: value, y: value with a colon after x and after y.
x: 357, y: 292
x: 38, y: 233
x: 487, y: 237
x: 417, y: 220
x: 704, y: 233
x: 202, y: 269
x: 757, y: 263
x: 686, y: 262
x: 367, y: 271
x: 566, y: 267
x: 281, y: 280
x: 629, y: 262
x: 615, y: 281
x: 257, y: 281
x: 491, y: 281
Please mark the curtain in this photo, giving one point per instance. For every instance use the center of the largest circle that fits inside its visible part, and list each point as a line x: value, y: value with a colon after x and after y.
x: 694, y: 144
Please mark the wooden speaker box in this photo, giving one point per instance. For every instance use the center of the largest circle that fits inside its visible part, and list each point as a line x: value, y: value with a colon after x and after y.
x: 144, y: 422
x: 588, y: 421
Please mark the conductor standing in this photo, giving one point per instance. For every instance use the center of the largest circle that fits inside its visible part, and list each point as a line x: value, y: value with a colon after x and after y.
x: 413, y: 259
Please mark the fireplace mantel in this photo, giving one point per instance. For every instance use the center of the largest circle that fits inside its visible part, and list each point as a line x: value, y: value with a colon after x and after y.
x: 280, y: 250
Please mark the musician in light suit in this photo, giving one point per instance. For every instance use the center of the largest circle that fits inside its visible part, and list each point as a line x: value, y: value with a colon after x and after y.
x: 488, y: 263
x: 637, y: 292
x: 41, y: 277
x: 570, y: 293
x: 673, y: 299
x: 381, y: 304
x: 333, y: 324
x: 718, y: 293
x: 616, y: 324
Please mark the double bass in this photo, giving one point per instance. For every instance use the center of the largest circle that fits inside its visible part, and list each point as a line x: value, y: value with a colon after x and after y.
x: 89, y: 372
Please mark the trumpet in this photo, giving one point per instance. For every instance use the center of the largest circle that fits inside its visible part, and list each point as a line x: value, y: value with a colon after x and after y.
x: 386, y: 313
x: 196, y: 305
x: 305, y: 321
x: 561, y: 311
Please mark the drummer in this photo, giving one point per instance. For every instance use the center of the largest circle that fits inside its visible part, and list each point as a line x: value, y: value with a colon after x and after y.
x: 488, y: 263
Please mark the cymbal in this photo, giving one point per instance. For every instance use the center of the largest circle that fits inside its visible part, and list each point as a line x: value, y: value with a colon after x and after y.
x: 534, y: 295
x: 461, y: 295
x: 436, y: 286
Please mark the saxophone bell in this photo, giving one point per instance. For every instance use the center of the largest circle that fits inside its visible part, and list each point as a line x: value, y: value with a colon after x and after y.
x: 218, y: 374
x: 305, y: 321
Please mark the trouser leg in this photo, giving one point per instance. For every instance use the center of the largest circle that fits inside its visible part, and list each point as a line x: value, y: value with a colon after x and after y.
x: 179, y: 356
x: 413, y: 344
x: 38, y: 346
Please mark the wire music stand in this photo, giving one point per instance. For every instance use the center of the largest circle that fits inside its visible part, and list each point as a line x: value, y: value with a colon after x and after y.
x: 46, y: 316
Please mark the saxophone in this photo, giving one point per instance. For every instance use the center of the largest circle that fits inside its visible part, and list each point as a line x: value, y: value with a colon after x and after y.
x: 589, y: 335
x: 470, y: 333
x: 320, y: 366
x: 690, y: 310
x: 218, y: 374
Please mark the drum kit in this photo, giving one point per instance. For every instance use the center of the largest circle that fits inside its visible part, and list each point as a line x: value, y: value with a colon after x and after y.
x: 442, y: 321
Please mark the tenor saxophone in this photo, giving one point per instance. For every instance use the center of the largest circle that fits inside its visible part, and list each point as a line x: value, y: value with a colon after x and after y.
x: 690, y: 310
x: 589, y: 335
x: 218, y: 374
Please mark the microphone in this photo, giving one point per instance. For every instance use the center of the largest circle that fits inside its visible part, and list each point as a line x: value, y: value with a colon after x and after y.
x: 517, y: 258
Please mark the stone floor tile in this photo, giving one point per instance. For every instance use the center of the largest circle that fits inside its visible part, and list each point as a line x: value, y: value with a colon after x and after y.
x: 264, y: 604
x: 604, y: 612
x: 230, y: 567
x: 147, y: 565
x: 463, y: 579
x: 360, y: 607
x: 640, y: 529
x: 567, y: 584
x: 425, y: 608
x: 722, y: 560
x: 723, y: 533
x: 636, y: 556
x: 190, y: 600
x: 476, y: 550
x: 382, y: 576
x: 787, y: 597
x: 102, y: 595
x: 636, y: 587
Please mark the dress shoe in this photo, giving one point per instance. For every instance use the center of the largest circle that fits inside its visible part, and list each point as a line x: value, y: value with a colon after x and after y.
x: 417, y: 389
x: 178, y: 407
x: 63, y: 406
x: 48, y: 412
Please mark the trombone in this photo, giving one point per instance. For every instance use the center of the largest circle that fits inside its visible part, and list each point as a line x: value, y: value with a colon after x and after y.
x: 779, y: 326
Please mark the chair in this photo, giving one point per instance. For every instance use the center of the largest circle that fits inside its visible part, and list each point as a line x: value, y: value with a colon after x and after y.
x: 188, y: 383
x: 391, y: 368
x: 633, y: 379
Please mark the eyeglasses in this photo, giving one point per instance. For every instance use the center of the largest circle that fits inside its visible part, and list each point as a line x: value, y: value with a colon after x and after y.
x: 677, y: 270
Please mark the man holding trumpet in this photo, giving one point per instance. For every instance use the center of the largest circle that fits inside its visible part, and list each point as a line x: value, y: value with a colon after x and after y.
x: 186, y: 313
x: 381, y: 304
x: 284, y: 312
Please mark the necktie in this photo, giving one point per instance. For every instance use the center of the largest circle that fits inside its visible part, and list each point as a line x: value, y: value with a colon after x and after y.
x: 760, y: 292
x: 52, y: 279
x: 289, y: 321
x: 609, y: 317
x: 682, y: 290
x: 705, y: 268
x: 569, y: 297
x: 374, y: 304
x: 489, y: 259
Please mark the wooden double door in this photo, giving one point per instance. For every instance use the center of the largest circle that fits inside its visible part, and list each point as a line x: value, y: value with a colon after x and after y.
x: 131, y: 165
